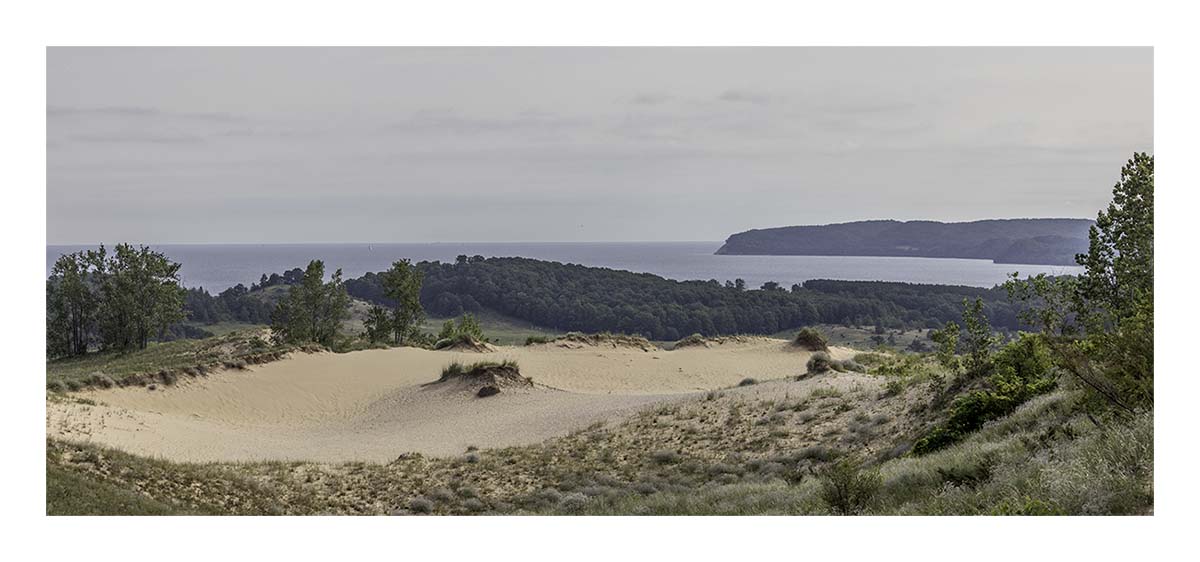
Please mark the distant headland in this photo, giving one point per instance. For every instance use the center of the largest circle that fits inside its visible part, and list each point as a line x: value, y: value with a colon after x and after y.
x: 1027, y: 241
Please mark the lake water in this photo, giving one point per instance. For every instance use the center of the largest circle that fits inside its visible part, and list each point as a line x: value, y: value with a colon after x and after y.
x: 217, y: 267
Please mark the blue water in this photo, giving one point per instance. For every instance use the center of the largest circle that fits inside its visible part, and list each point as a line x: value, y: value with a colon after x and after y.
x: 218, y: 267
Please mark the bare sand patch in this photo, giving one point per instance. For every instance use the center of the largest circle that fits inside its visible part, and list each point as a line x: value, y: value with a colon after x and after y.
x: 374, y: 405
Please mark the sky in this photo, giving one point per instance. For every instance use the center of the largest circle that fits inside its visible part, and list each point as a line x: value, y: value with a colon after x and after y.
x: 293, y: 145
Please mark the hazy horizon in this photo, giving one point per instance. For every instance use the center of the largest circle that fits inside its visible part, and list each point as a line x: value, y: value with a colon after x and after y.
x: 415, y: 145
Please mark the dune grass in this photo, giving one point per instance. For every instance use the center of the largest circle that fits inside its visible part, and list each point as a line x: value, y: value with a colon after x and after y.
x: 75, y: 372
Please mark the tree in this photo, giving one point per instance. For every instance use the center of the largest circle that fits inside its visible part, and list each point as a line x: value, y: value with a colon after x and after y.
x: 1101, y: 325
x: 402, y: 284
x: 979, y: 340
x: 378, y: 324
x: 140, y: 296
x: 313, y: 310
x: 73, y: 302
x: 947, y: 340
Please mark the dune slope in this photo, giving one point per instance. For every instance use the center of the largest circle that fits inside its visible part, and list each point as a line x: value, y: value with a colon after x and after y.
x: 375, y: 405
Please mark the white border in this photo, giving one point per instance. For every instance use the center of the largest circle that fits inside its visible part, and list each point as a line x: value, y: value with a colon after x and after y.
x: 28, y: 27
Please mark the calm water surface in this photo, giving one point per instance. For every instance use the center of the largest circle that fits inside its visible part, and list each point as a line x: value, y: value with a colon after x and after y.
x: 217, y: 267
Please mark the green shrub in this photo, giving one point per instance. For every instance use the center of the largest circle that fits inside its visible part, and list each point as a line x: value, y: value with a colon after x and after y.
x: 1022, y: 370
x: 537, y: 339
x: 847, y: 489
x: 812, y: 340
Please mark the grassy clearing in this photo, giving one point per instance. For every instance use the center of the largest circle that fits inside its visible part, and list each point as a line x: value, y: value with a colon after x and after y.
x: 498, y: 329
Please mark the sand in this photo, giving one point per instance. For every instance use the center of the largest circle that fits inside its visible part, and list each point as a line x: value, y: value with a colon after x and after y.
x: 375, y: 405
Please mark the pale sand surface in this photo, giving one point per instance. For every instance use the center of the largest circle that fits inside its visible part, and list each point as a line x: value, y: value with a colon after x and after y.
x: 375, y: 405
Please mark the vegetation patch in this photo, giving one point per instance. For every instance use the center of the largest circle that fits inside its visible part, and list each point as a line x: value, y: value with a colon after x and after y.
x: 811, y: 339
x: 486, y: 377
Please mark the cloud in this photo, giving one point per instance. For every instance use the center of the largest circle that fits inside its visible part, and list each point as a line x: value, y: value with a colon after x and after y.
x: 745, y: 96
x: 132, y: 112
x: 527, y: 123
x: 650, y: 99
x: 137, y: 138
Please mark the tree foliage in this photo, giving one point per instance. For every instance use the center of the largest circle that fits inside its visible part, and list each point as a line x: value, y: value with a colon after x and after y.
x: 118, y: 301
x: 313, y: 310
x: 1101, y: 325
x: 402, y: 286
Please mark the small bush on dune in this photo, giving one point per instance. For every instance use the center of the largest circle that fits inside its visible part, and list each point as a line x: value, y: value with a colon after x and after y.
x: 820, y: 362
x: 748, y: 381
x: 812, y: 340
x: 531, y: 340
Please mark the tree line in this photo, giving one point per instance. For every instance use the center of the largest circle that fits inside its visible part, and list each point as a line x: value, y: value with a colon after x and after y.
x: 570, y: 297
x: 111, y: 301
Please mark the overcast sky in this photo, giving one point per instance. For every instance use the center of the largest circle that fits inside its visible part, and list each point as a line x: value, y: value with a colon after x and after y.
x: 552, y: 144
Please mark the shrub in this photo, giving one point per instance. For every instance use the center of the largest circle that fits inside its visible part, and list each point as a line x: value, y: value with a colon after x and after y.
x: 664, y: 457
x: 845, y: 365
x: 101, y: 380
x: 537, y: 339
x: 1022, y: 371
x: 56, y: 386
x: 748, y: 381
x: 811, y: 339
x: 474, y: 505
x: 847, y: 489
x: 819, y: 363
x: 420, y: 505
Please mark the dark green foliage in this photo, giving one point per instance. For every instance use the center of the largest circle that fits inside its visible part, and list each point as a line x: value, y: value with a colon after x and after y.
x: 1022, y: 370
x: 567, y: 297
x: 313, y: 310
x: 119, y: 301
x: 140, y: 297
x: 402, y: 286
x: 235, y: 304
x: 811, y: 339
x: 1101, y: 325
x: 847, y: 489
x: 72, y: 303
x: 378, y: 324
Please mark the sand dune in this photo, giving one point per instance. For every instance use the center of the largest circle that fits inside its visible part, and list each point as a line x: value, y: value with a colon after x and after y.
x: 375, y: 405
